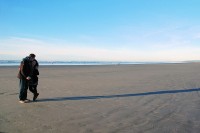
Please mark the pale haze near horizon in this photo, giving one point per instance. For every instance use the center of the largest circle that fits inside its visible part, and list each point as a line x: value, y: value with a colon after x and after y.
x: 101, y: 30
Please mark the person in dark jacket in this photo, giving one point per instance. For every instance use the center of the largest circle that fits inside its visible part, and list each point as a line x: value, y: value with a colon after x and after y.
x: 24, y: 75
x: 34, y: 78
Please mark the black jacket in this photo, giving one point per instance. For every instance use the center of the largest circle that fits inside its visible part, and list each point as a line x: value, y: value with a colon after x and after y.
x: 24, y: 68
x: 34, y: 73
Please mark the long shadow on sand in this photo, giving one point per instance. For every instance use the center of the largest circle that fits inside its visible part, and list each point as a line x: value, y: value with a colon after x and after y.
x: 118, y: 96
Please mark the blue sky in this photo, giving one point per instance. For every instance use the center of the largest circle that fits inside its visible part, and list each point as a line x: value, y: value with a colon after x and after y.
x: 102, y: 30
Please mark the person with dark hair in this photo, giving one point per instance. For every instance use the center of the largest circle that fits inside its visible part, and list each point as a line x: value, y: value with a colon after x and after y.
x: 34, y: 77
x: 25, y: 76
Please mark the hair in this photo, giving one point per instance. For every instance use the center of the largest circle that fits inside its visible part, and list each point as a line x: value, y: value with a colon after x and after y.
x: 32, y: 55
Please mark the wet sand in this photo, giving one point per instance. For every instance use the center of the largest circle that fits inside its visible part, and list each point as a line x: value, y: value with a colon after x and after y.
x: 105, y: 99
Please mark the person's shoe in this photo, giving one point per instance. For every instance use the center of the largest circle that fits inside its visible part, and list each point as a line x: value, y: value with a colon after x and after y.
x: 27, y: 100
x: 21, y: 101
x: 35, y: 96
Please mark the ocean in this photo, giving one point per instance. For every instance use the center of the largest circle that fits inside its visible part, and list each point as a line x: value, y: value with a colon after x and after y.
x: 17, y: 62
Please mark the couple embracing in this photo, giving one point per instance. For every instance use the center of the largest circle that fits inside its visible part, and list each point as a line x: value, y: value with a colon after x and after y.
x: 28, y: 75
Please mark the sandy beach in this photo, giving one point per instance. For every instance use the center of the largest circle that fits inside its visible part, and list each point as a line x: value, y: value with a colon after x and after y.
x: 152, y: 98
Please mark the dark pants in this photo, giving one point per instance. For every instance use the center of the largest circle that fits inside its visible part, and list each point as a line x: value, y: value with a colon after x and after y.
x: 33, y: 89
x: 23, y: 85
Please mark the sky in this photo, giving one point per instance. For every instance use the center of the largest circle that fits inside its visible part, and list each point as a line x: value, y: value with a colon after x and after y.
x: 100, y: 30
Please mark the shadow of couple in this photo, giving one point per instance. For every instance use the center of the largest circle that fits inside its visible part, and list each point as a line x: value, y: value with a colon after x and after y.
x: 119, y: 95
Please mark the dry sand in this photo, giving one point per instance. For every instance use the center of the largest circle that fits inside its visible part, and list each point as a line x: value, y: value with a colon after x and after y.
x: 160, y: 98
